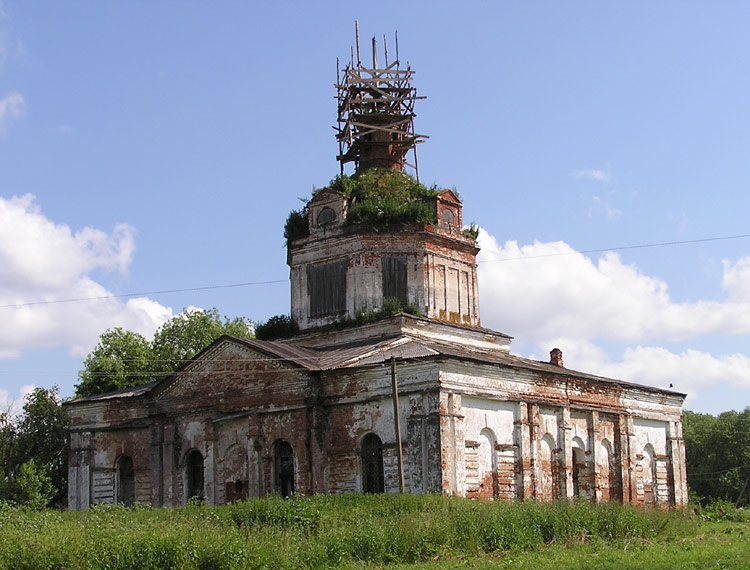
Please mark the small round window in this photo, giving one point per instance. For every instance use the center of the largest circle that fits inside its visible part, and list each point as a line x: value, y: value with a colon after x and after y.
x: 326, y: 216
x: 448, y: 216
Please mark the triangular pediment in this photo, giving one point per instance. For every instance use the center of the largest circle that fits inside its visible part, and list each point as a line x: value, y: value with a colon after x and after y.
x: 227, y: 366
x: 449, y: 196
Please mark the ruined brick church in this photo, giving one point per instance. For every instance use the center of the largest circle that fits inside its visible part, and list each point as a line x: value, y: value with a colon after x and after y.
x: 425, y: 402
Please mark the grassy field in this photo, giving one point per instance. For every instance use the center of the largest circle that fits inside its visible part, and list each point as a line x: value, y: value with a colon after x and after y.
x: 372, y: 531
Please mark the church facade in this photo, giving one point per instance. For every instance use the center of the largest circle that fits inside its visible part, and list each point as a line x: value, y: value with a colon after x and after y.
x: 425, y: 402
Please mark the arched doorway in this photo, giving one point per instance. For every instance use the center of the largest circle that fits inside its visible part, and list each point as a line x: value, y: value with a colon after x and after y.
x: 579, y: 473
x: 194, y: 475
x: 373, y: 479
x: 648, y: 475
x: 283, y: 468
x: 125, y: 480
x: 549, y: 471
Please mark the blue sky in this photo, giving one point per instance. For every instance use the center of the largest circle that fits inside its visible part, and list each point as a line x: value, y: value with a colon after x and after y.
x: 152, y: 146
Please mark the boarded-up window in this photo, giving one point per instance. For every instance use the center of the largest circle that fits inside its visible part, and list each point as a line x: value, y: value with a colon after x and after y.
x: 394, y: 278
x: 326, y: 286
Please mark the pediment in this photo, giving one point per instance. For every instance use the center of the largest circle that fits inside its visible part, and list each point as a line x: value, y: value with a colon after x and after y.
x: 227, y: 366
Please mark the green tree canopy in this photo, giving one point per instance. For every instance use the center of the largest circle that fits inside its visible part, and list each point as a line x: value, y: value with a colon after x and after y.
x: 185, y: 335
x: 124, y: 359
x: 42, y: 437
x: 717, y: 450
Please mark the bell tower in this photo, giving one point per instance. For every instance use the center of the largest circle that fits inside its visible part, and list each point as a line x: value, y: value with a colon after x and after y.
x: 379, y: 236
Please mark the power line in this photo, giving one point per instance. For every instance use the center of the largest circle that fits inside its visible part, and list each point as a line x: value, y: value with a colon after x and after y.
x: 123, y: 295
x: 274, y: 281
x: 620, y: 248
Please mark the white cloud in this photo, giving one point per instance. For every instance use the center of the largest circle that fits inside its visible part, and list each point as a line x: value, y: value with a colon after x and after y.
x: 596, y: 175
x: 602, y: 205
x: 736, y: 279
x: 13, y: 405
x: 544, y: 288
x: 12, y: 107
x: 549, y: 295
x: 689, y: 371
x: 41, y: 260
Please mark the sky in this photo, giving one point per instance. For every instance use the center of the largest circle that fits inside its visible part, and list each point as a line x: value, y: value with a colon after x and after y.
x: 151, y: 151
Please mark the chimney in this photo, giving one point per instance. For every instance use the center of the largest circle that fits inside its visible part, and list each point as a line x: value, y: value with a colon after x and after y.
x: 555, y: 357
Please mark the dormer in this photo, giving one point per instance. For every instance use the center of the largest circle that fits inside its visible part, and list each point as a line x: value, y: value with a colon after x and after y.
x: 326, y: 212
x: 449, y: 212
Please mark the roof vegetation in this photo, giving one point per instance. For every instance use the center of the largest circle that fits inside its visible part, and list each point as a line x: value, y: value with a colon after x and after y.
x: 378, y: 197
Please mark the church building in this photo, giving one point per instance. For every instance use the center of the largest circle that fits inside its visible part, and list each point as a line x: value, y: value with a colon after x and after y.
x: 389, y: 383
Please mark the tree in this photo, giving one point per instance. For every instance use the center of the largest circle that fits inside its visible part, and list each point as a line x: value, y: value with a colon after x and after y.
x: 185, y: 335
x: 7, y: 437
x: 35, y: 488
x: 122, y: 359
x: 717, y: 450
x: 43, y: 437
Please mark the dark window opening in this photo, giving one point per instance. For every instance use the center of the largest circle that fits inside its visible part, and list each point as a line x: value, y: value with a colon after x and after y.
x: 394, y: 278
x: 373, y: 478
x: 449, y: 217
x: 326, y: 287
x: 326, y: 216
x: 283, y: 461
x: 579, y: 468
x: 125, y: 481
x: 194, y: 469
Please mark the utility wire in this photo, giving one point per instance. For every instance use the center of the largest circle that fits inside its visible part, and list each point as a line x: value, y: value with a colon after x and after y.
x: 274, y: 281
x: 619, y: 248
x: 123, y: 295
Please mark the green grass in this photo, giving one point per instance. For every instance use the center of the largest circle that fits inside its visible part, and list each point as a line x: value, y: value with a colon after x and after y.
x: 354, y: 531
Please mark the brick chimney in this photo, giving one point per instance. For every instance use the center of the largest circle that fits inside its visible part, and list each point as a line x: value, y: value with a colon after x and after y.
x: 555, y: 357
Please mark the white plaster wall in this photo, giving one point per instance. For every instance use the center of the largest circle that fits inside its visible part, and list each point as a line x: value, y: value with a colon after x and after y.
x: 650, y: 431
x: 498, y: 416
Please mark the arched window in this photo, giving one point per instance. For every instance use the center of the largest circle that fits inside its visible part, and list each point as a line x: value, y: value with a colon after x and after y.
x: 194, y: 475
x: 373, y: 479
x: 283, y: 468
x: 326, y: 216
x: 549, y: 470
x: 579, y: 472
x: 125, y: 480
x: 448, y: 216
x: 648, y: 475
x: 581, y: 484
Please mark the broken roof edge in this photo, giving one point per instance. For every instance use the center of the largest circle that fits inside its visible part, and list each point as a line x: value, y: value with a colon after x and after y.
x: 406, y: 324
x: 122, y: 393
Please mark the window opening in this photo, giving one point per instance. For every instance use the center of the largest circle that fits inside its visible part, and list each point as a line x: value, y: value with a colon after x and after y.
x: 326, y: 287
x: 373, y: 479
x: 194, y: 468
x: 125, y: 481
x: 579, y: 472
x: 283, y: 468
x: 326, y: 216
x: 394, y: 278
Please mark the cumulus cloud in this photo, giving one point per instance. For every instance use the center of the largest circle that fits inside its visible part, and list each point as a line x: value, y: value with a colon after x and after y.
x: 688, y: 371
x: 596, y: 175
x: 12, y: 107
x: 538, y: 290
x: 41, y: 261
